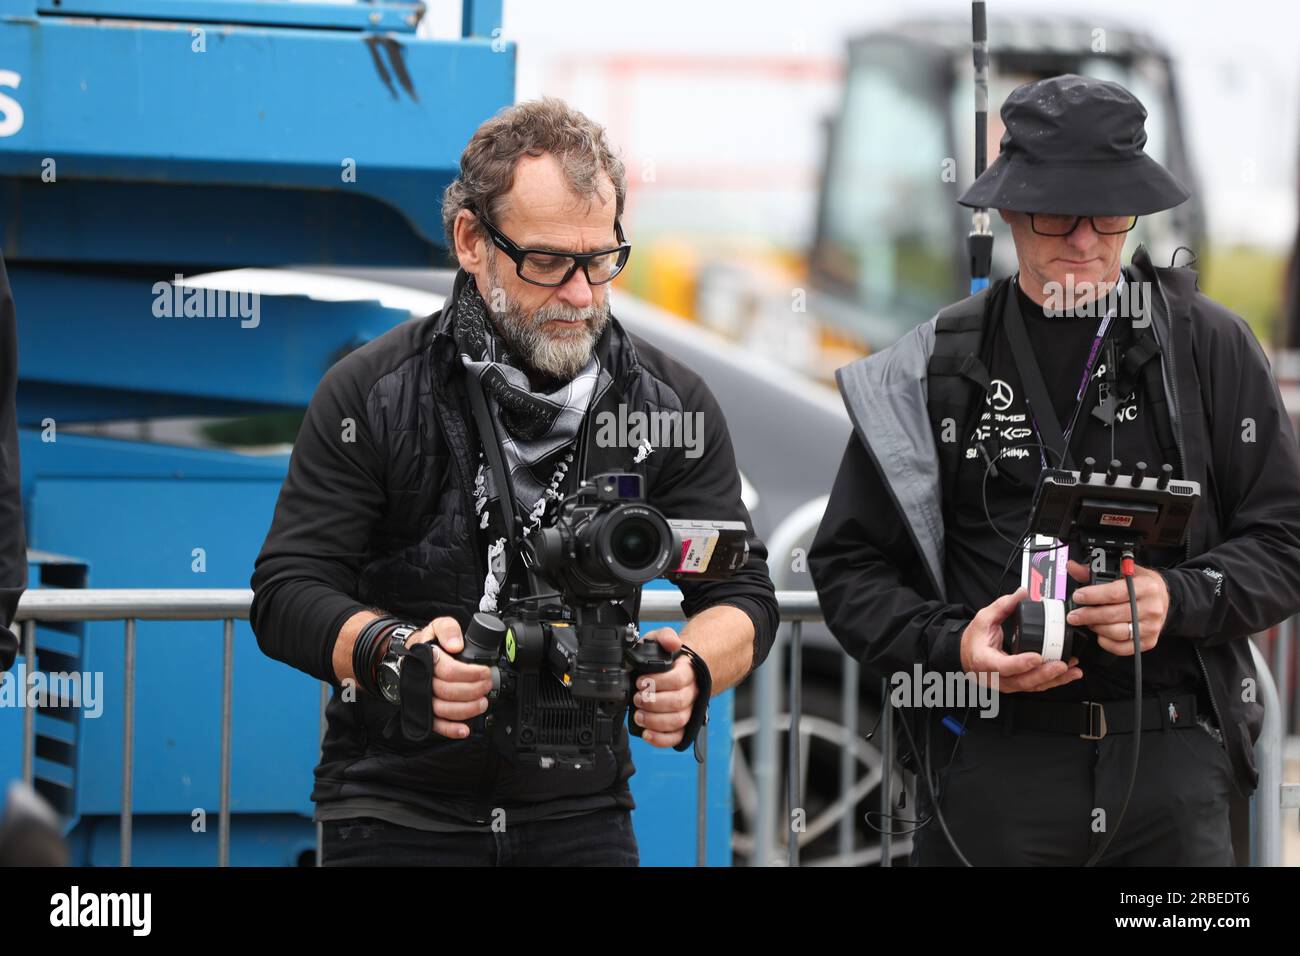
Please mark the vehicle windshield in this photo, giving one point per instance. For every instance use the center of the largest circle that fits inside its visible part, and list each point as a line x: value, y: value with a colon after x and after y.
x: 886, y: 242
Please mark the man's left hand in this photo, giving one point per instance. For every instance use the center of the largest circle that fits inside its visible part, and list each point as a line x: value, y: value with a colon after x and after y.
x: 1108, y: 614
x: 663, y: 702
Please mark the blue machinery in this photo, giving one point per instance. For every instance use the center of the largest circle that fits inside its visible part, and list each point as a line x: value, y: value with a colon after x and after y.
x: 141, y: 139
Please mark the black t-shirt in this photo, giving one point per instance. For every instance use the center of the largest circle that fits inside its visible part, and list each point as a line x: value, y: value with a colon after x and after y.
x: 983, y: 553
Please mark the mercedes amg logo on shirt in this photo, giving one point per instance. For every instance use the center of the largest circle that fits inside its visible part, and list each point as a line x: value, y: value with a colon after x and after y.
x: 1000, y: 395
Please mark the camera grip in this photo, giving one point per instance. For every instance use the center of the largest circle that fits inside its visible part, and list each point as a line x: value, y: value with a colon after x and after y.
x: 663, y: 662
x: 647, y: 657
x: 414, y: 718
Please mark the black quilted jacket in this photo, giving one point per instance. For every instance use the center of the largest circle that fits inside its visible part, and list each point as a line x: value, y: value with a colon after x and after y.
x: 374, y: 514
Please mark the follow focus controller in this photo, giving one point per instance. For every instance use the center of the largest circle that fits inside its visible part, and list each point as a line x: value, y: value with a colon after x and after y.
x: 1111, y: 516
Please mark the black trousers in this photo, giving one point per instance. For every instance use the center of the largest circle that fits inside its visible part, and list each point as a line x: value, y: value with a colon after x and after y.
x: 1030, y: 799
x: 601, y: 838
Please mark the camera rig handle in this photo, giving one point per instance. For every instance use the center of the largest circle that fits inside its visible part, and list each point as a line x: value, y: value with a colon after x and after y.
x: 649, y: 657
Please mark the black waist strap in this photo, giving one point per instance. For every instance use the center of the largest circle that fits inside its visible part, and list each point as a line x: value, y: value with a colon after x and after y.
x: 1096, y: 719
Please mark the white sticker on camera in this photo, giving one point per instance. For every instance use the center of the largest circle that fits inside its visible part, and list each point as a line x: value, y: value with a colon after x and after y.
x: 1053, y: 629
x: 697, y: 551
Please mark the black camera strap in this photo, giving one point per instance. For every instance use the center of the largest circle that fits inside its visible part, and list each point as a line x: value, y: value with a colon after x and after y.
x: 413, y: 718
x: 700, y: 711
x: 417, y: 691
x: 487, y: 436
x: 1041, y: 410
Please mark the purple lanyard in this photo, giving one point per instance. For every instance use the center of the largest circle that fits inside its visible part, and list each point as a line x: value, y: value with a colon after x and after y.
x: 1093, y: 354
x: 1050, y: 563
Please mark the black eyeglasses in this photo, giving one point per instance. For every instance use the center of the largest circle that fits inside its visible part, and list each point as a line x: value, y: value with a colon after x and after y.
x: 1050, y: 224
x: 546, y: 267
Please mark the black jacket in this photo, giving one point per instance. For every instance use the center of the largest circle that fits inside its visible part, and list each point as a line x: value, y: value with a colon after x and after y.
x: 13, y: 544
x: 383, y: 521
x: 877, y: 558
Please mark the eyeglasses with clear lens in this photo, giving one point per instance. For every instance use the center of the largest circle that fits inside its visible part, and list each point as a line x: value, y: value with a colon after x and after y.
x: 1050, y: 224
x: 552, y: 269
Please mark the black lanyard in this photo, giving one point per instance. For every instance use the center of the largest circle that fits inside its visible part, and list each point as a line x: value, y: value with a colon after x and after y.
x: 1041, y: 411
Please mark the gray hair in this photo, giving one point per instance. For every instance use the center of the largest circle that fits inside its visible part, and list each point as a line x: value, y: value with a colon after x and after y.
x: 532, y: 128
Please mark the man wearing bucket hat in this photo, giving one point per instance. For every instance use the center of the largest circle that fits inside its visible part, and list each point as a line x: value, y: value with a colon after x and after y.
x: 919, y: 554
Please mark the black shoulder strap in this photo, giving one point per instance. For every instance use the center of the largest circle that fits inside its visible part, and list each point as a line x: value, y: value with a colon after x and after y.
x: 1031, y: 377
x: 1174, y: 285
x: 1137, y: 369
x: 957, y: 381
x: 1143, y: 348
x: 487, y: 435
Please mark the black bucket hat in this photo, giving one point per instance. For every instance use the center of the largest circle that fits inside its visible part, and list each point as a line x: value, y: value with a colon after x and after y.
x: 1073, y: 146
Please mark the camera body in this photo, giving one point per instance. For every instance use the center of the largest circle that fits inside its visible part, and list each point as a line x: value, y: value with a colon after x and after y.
x: 602, y: 545
x: 1109, y: 515
x: 566, y: 658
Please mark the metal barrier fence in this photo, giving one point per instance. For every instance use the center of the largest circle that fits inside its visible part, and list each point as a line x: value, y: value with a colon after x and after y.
x: 797, y: 607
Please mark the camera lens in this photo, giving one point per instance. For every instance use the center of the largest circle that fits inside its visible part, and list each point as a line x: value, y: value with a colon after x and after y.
x: 635, y: 543
x: 619, y: 548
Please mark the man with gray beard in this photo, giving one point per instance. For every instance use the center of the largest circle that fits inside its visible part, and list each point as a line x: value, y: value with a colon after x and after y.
x: 391, y: 530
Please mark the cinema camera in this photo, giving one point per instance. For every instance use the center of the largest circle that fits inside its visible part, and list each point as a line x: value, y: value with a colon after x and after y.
x: 565, y: 659
x: 1113, y: 517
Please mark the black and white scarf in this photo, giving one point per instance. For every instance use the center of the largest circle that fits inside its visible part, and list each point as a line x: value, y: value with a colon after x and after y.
x: 537, y: 430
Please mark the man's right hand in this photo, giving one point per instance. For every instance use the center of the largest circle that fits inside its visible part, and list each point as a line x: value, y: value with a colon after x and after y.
x: 981, y: 653
x: 459, y: 690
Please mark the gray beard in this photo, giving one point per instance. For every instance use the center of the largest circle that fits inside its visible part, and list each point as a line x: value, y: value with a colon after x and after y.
x: 560, y: 358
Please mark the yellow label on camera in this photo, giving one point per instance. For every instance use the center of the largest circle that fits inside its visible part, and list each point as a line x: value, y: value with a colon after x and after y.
x: 510, y: 644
